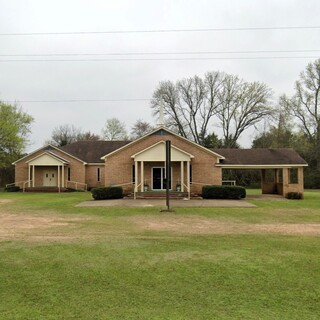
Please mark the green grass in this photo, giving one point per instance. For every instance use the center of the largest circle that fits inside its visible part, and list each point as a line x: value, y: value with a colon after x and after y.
x: 112, y: 269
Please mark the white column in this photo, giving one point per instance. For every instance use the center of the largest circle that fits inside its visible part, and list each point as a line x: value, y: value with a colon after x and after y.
x: 182, y: 176
x: 142, y: 176
x: 29, y: 177
x: 59, y: 177
x: 62, y: 176
x: 33, y: 175
x: 136, y: 176
x: 188, y: 178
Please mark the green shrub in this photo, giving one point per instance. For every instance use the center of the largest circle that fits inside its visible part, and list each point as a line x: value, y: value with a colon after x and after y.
x: 12, y: 189
x: 294, y: 196
x: 223, y: 192
x: 107, y: 193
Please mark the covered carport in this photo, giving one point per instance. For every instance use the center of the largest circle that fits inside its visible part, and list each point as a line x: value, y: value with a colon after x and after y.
x: 281, y: 169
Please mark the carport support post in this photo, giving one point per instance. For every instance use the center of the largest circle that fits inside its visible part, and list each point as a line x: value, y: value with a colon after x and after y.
x: 168, y: 172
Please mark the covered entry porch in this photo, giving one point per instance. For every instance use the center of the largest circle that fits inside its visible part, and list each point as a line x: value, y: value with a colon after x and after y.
x: 48, y: 171
x: 149, y: 173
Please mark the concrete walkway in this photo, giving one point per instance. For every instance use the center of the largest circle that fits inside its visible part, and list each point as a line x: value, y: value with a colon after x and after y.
x: 162, y: 203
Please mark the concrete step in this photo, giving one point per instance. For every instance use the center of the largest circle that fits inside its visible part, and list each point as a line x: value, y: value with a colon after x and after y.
x: 45, y: 189
x: 162, y: 195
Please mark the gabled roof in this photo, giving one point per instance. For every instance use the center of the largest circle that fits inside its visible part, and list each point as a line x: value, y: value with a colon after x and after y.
x: 92, y: 151
x: 258, y: 157
x: 156, y: 152
x: 48, y: 148
x: 162, y: 130
x: 50, y: 155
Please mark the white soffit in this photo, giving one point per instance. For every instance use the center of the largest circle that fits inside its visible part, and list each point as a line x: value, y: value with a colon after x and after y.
x: 157, y: 152
x: 46, y: 159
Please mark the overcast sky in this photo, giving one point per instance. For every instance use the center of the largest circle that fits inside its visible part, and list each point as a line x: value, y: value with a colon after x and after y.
x: 23, y: 81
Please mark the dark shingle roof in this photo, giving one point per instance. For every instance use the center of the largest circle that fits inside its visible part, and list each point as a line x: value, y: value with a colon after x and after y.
x: 257, y: 156
x: 92, y: 151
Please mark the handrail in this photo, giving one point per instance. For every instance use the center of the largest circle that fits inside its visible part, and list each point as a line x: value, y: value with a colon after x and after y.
x: 12, y: 184
x: 85, y: 186
x: 16, y: 183
x: 188, y: 189
x: 122, y: 184
x: 201, y: 183
x: 136, y: 188
x: 22, y: 183
x: 232, y: 182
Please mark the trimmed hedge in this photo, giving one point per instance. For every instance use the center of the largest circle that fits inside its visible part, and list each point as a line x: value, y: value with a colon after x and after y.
x: 107, y: 193
x: 223, y: 192
x: 12, y: 189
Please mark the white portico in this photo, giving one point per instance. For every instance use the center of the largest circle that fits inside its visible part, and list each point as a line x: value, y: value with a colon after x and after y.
x: 150, y: 163
x: 47, y: 170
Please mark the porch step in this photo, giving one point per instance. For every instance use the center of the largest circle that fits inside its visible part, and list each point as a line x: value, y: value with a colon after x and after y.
x: 162, y: 195
x: 45, y: 189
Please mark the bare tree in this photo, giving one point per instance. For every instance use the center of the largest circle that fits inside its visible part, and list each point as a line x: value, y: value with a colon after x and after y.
x: 305, y: 105
x: 88, y: 135
x: 242, y: 105
x: 191, y: 105
x: 115, y: 130
x: 278, y: 131
x: 64, y: 134
x: 140, y: 128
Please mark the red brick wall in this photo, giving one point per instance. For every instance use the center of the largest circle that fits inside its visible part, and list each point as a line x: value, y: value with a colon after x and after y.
x: 204, y: 171
x: 78, y: 169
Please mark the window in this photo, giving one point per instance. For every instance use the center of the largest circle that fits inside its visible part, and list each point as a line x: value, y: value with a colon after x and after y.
x: 69, y: 174
x: 98, y: 174
x: 293, y: 175
x: 133, y: 174
x: 190, y: 173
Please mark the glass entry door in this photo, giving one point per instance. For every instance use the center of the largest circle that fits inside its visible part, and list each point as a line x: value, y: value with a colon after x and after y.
x: 158, y: 178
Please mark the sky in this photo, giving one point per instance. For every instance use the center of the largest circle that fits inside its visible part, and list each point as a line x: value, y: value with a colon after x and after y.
x: 111, y: 31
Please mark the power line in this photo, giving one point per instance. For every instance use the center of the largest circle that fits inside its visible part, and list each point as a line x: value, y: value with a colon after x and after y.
x: 80, y: 100
x: 156, y: 53
x: 158, y: 31
x: 160, y: 59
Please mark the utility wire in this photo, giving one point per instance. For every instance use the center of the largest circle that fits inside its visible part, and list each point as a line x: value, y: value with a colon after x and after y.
x: 79, y: 100
x: 156, y: 53
x: 159, y: 59
x: 158, y: 31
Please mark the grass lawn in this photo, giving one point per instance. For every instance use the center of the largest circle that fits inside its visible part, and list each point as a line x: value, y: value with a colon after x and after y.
x: 58, y: 261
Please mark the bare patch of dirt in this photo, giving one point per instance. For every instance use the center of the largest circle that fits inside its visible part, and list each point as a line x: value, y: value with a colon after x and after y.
x: 199, y: 225
x: 46, y: 227
x: 4, y: 201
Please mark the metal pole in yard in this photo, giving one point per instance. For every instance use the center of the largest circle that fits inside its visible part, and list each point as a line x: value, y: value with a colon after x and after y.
x: 168, y: 172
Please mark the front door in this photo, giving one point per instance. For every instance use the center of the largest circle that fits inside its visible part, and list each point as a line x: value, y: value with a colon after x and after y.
x: 158, y: 178
x: 50, y: 178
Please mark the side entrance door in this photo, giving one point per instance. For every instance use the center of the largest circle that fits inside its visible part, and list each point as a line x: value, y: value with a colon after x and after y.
x: 50, y: 178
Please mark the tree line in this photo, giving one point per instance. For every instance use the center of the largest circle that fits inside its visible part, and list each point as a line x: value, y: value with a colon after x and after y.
x: 194, y: 108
